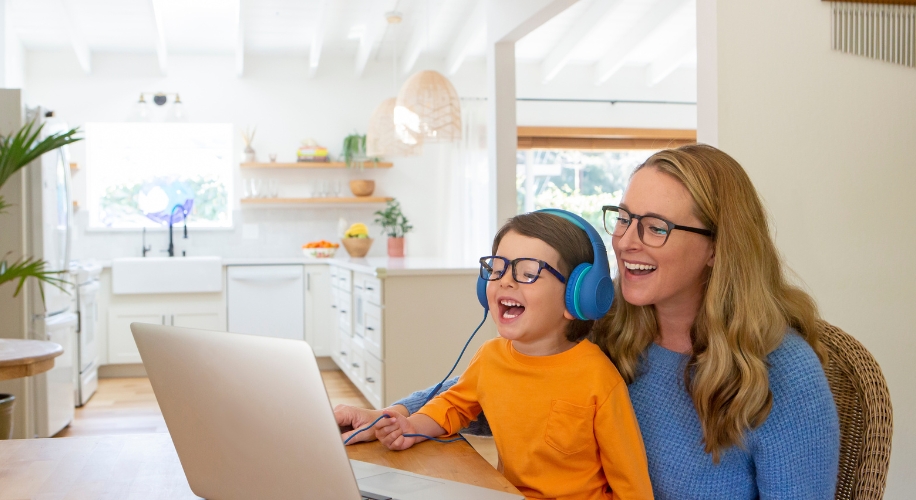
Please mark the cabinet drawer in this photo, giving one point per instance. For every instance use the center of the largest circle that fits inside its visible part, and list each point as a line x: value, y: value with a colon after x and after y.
x: 343, y: 352
x: 344, y: 280
x: 373, y: 380
x: 373, y: 330
x: 372, y: 289
x: 344, y: 312
x: 356, y: 369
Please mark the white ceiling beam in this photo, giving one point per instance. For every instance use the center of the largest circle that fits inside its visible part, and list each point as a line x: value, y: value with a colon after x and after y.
x: 83, y: 55
x: 419, y: 40
x: 159, y: 34
x: 657, y: 15
x: 318, y: 36
x: 474, y: 29
x: 584, y: 25
x: 240, y: 43
x: 683, y: 47
x: 375, y: 24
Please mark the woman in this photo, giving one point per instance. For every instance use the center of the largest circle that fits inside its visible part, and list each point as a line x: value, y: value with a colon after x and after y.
x: 720, y: 352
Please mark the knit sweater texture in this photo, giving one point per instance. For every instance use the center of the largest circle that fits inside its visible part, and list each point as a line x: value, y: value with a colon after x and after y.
x: 794, y: 454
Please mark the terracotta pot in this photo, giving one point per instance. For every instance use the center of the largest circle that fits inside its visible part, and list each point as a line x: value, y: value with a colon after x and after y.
x: 396, y: 247
x: 357, y: 247
x: 362, y: 187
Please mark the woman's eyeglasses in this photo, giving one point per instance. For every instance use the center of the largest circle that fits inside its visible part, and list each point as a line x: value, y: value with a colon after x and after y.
x: 653, y: 231
x: 524, y: 270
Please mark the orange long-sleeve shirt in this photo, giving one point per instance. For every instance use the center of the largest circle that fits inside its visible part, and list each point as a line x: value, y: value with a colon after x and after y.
x: 563, y: 424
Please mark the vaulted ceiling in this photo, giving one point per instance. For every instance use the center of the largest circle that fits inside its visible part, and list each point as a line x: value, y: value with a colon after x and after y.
x: 659, y: 35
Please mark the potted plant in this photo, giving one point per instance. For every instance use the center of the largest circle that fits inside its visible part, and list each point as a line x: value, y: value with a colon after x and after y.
x: 395, y: 225
x: 16, y: 151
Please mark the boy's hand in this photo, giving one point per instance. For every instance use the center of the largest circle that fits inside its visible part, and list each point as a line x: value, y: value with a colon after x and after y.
x: 390, y: 432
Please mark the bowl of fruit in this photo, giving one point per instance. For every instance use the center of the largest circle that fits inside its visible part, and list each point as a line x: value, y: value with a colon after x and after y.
x: 320, y: 249
x: 356, y: 240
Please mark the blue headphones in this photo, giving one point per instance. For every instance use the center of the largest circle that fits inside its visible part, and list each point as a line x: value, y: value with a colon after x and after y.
x: 589, y: 289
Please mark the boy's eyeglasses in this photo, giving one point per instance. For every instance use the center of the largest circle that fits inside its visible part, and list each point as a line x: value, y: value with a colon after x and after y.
x: 524, y: 270
x: 653, y: 231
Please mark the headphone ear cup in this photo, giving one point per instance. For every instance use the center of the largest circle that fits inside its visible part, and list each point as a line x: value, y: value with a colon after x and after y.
x: 482, y: 293
x: 573, y: 290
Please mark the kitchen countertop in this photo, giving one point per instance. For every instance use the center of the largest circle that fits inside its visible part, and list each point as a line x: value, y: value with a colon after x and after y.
x: 377, y: 266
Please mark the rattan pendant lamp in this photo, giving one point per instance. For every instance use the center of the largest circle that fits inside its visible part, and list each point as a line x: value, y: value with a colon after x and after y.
x: 428, y: 107
x: 383, y: 140
x: 381, y: 137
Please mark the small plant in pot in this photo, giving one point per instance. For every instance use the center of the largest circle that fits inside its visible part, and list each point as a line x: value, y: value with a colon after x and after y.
x: 395, y: 225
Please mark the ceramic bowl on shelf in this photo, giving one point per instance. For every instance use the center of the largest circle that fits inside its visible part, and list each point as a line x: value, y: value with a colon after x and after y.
x: 362, y: 187
x: 357, y: 247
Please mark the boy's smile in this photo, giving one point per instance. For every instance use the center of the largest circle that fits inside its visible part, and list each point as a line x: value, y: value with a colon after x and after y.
x: 533, y: 315
x: 510, y: 309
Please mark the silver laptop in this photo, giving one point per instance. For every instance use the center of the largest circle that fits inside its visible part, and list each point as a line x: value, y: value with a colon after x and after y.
x: 250, y: 418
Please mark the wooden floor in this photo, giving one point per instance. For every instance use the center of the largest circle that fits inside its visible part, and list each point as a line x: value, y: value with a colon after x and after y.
x: 128, y: 406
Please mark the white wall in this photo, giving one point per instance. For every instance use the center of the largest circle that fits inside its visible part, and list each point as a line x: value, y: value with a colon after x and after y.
x: 828, y: 139
x: 277, y: 96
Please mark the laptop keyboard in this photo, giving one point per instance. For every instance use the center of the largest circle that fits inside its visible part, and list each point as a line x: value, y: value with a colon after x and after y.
x: 372, y: 496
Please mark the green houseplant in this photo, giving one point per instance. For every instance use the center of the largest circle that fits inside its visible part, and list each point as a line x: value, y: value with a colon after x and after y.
x: 395, y: 225
x: 354, y: 150
x: 16, y: 151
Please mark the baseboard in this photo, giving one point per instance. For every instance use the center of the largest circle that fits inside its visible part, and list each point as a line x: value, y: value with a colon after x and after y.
x: 122, y: 371
x: 326, y: 364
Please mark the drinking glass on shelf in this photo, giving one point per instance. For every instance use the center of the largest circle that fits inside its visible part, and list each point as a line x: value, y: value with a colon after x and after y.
x: 273, y: 157
x: 273, y: 188
x: 336, y: 188
x: 254, y: 190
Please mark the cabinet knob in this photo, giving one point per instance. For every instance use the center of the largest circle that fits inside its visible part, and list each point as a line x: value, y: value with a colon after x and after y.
x: 343, y: 353
x: 369, y: 288
x: 370, y: 380
x: 355, y: 365
x: 370, y: 328
x: 343, y: 311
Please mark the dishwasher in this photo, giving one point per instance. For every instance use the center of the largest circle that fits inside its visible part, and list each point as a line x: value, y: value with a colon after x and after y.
x: 266, y: 300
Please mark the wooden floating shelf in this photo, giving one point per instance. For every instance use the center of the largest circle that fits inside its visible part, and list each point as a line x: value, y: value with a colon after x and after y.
x: 317, y: 164
x: 349, y: 200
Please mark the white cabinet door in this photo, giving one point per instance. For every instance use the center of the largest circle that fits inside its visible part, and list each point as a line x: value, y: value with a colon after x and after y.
x: 319, y: 325
x: 121, y: 346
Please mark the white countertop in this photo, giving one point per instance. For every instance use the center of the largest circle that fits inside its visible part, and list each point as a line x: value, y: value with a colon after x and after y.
x: 377, y: 266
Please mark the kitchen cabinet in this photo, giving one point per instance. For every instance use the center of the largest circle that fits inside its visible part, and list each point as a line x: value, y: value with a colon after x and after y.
x: 192, y: 310
x: 400, y: 330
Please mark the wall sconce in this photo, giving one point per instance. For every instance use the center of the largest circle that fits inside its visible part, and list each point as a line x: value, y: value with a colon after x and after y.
x: 142, y: 112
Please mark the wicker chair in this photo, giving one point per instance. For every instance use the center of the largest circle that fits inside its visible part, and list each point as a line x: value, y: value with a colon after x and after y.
x: 864, y: 406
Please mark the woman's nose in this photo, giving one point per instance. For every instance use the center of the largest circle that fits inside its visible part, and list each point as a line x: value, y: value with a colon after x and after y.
x: 630, y: 239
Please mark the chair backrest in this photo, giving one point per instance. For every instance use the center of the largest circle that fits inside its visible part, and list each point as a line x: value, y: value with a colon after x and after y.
x: 864, y: 406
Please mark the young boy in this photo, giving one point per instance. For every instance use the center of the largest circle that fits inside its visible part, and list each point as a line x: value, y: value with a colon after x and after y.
x: 559, y: 410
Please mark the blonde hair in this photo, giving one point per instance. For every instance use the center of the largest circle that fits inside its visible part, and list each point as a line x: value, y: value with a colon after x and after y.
x: 747, y: 306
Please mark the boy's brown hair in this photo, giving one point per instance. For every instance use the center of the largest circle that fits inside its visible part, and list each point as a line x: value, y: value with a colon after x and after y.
x: 569, y: 240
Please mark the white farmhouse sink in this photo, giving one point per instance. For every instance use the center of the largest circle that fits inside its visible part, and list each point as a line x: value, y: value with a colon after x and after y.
x: 166, y: 275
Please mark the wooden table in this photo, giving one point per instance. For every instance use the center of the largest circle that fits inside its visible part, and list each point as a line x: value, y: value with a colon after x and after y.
x: 23, y: 358
x: 146, y: 466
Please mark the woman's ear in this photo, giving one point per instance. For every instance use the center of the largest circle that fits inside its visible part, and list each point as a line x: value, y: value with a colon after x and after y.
x: 712, y: 258
x: 568, y: 315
